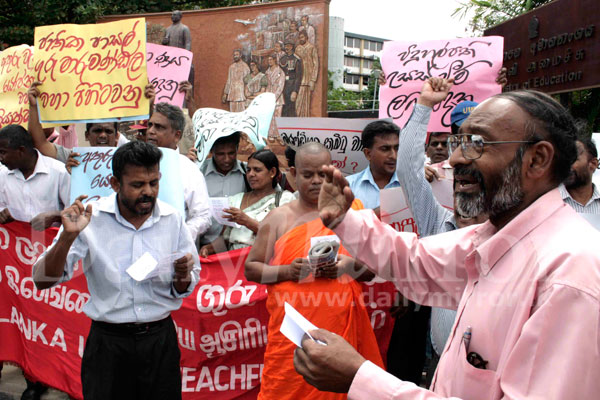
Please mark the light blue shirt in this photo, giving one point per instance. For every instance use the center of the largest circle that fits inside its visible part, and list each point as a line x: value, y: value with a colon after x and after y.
x: 220, y: 185
x: 110, y: 244
x: 366, y: 190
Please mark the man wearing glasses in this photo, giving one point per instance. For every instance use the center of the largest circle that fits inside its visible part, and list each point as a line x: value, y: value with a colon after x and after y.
x: 525, y: 284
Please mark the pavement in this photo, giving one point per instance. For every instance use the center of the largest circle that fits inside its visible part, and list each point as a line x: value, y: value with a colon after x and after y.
x: 12, y: 384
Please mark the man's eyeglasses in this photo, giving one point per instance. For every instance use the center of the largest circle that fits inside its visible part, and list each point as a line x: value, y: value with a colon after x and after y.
x: 472, y: 145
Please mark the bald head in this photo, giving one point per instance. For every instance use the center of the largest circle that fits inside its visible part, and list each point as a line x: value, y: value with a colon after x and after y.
x: 312, y: 149
x: 310, y: 159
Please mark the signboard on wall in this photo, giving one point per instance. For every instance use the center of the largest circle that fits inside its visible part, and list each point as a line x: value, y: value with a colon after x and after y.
x: 553, y: 48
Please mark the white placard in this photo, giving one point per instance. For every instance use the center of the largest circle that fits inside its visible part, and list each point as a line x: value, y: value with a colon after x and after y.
x: 341, y: 136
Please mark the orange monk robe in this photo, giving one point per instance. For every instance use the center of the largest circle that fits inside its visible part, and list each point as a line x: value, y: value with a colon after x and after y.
x: 332, y: 304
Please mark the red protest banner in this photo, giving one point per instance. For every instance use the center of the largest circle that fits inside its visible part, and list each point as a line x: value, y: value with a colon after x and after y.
x: 42, y: 331
x: 221, y: 327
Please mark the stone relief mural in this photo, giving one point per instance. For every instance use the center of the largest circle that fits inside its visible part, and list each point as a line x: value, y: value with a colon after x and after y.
x: 279, y: 54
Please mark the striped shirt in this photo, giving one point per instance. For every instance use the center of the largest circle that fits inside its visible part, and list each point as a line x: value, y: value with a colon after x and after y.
x: 430, y: 216
x: 591, y: 207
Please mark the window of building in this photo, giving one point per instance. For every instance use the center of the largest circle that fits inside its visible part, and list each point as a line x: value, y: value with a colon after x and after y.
x: 352, y: 42
x: 373, y: 46
x: 379, y: 46
x: 368, y: 64
x: 351, y: 79
x: 351, y: 62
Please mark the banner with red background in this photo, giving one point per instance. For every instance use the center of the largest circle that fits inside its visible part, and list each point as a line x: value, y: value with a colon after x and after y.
x: 222, y: 326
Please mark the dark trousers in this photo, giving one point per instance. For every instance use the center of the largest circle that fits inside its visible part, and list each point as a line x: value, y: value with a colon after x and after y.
x: 126, y: 361
x: 406, y: 354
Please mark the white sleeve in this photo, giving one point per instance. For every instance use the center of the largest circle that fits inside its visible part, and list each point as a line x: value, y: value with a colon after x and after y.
x: 197, y: 204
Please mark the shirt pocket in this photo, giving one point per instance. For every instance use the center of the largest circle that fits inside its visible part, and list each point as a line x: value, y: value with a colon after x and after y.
x: 475, y: 383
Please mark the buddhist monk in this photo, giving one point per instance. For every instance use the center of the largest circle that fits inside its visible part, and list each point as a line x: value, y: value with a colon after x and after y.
x: 330, y: 296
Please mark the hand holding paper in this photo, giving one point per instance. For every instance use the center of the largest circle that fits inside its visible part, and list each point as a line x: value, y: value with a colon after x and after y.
x: 295, y: 326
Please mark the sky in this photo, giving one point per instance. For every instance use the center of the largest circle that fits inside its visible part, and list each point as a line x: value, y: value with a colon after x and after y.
x: 401, y: 19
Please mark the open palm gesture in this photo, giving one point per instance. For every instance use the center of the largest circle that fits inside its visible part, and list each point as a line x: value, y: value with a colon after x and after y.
x: 335, y: 197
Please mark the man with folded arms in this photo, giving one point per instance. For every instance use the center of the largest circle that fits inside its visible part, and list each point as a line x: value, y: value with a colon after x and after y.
x: 131, y: 350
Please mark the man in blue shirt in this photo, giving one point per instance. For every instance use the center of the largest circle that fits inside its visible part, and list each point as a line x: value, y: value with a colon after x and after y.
x: 131, y: 350
x: 380, y: 145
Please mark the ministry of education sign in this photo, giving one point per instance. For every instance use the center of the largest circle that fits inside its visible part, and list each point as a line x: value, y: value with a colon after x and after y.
x: 553, y: 48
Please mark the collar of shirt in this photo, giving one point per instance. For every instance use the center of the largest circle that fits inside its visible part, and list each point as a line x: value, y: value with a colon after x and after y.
x: 212, y: 169
x: 491, y: 244
x: 41, y: 167
x: 367, y: 176
x: 109, y: 205
x: 564, y: 194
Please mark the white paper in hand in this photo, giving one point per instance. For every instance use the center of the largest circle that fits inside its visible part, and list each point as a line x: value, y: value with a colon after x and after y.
x: 294, y: 326
x: 143, y: 267
x: 217, y: 204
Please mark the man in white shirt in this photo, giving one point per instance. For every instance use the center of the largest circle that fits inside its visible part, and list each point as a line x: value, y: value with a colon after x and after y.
x: 33, y: 187
x: 578, y: 190
x: 131, y: 351
x: 164, y: 130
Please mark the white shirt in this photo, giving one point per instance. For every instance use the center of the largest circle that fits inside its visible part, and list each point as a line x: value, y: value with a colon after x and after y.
x: 122, y: 140
x: 197, y: 203
x: 110, y: 244
x: 592, y: 206
x: 46, y: 189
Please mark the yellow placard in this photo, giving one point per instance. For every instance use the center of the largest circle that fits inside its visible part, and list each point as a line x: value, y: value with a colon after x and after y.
x: 16, y: 68
x: 91, y: 72
x: 14, y: 108
x: 16, y: 76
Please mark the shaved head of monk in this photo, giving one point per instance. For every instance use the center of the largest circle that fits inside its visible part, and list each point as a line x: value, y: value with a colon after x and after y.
x: 310, y: 157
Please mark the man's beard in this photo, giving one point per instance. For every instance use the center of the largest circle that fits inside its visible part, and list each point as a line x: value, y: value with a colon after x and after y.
x: 575, y: 180
x: 504, y: 192
x: 131, y: 206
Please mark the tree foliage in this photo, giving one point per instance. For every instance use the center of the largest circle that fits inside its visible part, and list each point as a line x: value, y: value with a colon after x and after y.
x: 19, y: 17
x: 583, y: 104
x: 486, y: 14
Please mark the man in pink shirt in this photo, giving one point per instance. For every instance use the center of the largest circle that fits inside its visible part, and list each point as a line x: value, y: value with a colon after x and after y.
x: 525, y: 284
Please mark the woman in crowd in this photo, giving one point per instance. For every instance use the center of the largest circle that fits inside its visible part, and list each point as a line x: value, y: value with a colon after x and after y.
x: 249, y: 208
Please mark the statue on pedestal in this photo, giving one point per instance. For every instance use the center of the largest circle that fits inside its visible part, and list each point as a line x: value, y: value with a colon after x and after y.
x: 178, y: 35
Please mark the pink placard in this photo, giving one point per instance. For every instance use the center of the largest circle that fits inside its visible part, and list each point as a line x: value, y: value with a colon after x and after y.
x: 167, y: 67
x: 474, y: 64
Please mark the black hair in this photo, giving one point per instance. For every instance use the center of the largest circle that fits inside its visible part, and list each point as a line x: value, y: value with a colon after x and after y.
x: 16, y: 136
x: 137, y: 153
x: 589, y: 145
x: 173, y: 113
x: 434, y: 134
x: 550, y: 121
x: 234, y: 139
x: 269, y: 159
x: 88, y: 126
x: 290, y: 156
x: 377, y: 128
x: 454, y: 129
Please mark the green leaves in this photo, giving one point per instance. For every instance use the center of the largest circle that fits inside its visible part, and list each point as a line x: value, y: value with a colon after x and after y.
x: 19, y: 17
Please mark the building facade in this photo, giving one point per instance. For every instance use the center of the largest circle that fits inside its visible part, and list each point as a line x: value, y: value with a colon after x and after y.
x: 351, y: 56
